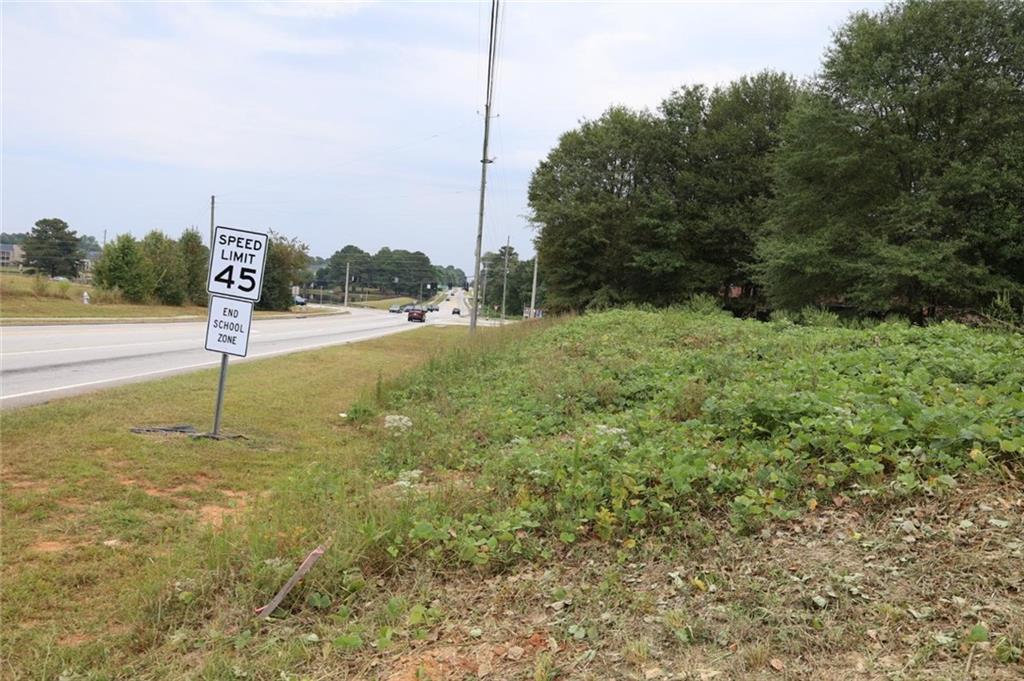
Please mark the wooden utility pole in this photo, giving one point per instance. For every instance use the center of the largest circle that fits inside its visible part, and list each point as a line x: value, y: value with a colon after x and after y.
x: 484, y: 161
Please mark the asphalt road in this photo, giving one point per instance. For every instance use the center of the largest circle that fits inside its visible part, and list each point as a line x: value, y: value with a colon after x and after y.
x: 40, y: 363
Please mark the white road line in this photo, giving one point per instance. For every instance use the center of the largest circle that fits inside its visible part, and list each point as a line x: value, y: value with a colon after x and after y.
x: 189, y: 366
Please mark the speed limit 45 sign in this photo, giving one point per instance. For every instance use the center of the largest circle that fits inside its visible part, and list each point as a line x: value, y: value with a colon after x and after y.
x: 237, y: 262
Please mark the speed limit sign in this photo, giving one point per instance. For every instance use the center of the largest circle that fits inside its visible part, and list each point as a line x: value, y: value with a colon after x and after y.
x: 237, y: 261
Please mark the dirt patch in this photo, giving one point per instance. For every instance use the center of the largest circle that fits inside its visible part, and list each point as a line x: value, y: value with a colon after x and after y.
x: 50, y: 546
x: 73, y: 640
x: 215, y: 515
x: 18, y: 482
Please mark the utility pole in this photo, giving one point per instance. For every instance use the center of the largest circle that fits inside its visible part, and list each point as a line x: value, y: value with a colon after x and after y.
x: 213, y: 200
x: 504, y: 278
x: 346, y: 283
x: 104, y: 238
x: 533, y: 291
x: 484, y: 161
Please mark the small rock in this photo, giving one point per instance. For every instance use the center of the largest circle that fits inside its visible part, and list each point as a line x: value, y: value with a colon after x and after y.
x: 397, y: 422
x: 112, y: 543
x: 776, y: 664
x: 514, y: 653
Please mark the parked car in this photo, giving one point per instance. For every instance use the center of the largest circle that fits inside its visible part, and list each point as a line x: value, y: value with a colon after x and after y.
x: 433, y: 308
x: 395, y: 308
x: 299, y: 300
x: 456, y: 311
x: 417, y: 314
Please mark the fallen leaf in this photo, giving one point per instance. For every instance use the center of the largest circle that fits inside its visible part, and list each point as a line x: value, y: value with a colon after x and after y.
x: 514, y: 653
x: 776, y: 664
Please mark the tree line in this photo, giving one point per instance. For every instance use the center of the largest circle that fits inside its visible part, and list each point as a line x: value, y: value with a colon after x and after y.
x: 160, y: 269
x: 892, y: 181
x: 395, y: 271
x: 519, y: 284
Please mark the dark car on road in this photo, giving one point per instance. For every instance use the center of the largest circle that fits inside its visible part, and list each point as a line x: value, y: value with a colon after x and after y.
x: 457, y: 311
x: 417, y: 314
x: 433, y: 308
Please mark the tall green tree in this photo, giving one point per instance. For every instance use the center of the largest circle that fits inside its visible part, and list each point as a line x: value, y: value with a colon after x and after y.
x: 900, y: 182
x: 597, y: 198
x: 122, y: 266
x: 53, y: 248
x: 285, y: 267
x: 195, y: 260
x: 164, y: 261
x: 358, y: 262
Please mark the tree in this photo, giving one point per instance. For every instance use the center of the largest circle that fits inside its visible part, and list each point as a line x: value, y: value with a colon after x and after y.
x: 87, y: 244
x: 285, y: 267
x: 122, y: 266
x: 164, y: 262
x: 195, y: 258
x: 603, y: 186
x: 635, y: 207
x: 359, y: 265
x: 900, y: 182
x: 53, y: 248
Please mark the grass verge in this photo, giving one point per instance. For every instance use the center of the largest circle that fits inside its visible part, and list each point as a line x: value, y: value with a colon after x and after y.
x: 92, y: 513
x: 385, y: 303
x: 626, y: 495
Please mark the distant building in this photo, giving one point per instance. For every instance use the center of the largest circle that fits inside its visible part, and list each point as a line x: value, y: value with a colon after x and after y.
x: 11, y: 255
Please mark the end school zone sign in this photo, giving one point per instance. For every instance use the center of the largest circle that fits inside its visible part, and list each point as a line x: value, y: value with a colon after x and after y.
x: 237, y: 261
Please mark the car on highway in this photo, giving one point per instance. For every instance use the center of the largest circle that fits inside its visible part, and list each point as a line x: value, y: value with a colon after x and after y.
x: 433, y: 308
x: 406, y: 308
x: 456, y: 311
x: 395, y: 308
x: 417, y: 314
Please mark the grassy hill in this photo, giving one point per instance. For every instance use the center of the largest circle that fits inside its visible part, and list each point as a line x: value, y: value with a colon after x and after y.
x: 633, y: 494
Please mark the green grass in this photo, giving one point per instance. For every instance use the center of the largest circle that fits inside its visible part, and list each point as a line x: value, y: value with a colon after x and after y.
x: 74, y: 477
x: 26, y: 296
x: 645, y: 488
x: 385, y: 303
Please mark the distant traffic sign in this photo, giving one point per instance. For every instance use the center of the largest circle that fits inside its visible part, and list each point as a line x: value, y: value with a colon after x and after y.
x: 237, y: 261
x: 228, y: 324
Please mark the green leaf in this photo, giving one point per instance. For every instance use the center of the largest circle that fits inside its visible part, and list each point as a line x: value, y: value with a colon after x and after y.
x: 978, y: 634
x: 348, y: 642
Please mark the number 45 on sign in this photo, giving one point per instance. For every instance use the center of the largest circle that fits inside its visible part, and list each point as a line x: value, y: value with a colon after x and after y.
x: 236, y: 263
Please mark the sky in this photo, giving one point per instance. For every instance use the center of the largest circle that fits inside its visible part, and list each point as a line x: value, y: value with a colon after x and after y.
x: 340, y: 123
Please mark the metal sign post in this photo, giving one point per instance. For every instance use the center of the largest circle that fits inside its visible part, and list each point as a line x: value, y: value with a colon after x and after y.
x: 237, y: 260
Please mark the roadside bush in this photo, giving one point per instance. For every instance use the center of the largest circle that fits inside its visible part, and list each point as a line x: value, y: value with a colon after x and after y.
x: 703, y: 303
x: 40, y: 286
x: 820, y: 317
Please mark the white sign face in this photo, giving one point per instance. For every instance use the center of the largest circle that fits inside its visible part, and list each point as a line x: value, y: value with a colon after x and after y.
x: 227, y: 327
x: 237, y: 262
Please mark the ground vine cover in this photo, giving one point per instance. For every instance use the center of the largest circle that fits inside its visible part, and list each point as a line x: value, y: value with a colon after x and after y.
x: 630, y: 422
